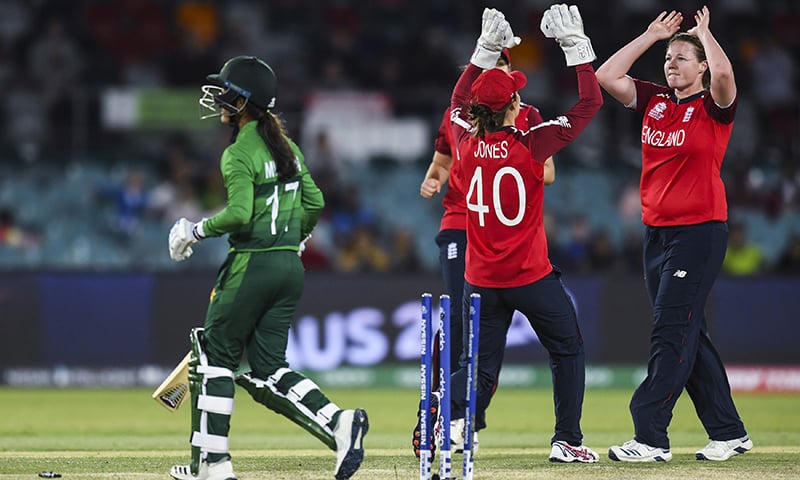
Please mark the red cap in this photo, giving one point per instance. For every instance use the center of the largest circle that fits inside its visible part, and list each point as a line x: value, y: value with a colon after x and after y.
x: 495, y: 88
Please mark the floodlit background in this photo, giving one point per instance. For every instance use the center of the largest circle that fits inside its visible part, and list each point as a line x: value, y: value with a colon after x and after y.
x: 102, y: 149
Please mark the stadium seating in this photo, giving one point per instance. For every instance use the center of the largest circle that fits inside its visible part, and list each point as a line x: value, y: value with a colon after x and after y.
x: 77, y: 225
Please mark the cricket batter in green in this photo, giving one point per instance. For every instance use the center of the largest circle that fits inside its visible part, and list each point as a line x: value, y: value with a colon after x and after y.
x: 272, y: 207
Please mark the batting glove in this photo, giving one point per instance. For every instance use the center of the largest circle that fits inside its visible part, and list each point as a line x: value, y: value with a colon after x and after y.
x: 182, y: 236
x: 496, y: 34
x: 302, y: 247
x: 566, y: 26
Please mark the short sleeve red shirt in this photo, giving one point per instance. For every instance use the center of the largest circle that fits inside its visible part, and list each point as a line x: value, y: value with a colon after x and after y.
x: 455, y: 207
x: 683, y: 145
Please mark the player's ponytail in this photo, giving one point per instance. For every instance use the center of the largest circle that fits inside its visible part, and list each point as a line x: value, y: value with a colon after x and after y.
x: 272, y: 131
x: 484, y: 120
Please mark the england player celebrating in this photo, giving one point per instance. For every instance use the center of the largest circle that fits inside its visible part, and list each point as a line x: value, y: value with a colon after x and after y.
x: 503, y: 174
x: 685, y: 131
x: 452, y: 236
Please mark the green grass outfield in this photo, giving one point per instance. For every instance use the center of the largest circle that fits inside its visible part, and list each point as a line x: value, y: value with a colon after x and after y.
x: 124, y: 434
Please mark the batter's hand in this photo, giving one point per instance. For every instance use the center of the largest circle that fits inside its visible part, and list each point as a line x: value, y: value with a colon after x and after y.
x: 302, y: 247
x: 182, y: 236
x: 665, y: 25
x: 429, y: 188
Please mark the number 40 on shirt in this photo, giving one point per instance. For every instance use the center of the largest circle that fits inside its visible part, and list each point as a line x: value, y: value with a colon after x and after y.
x: 476, y: 197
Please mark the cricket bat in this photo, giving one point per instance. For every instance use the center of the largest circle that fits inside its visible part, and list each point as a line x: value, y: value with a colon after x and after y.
x: 175, y: 387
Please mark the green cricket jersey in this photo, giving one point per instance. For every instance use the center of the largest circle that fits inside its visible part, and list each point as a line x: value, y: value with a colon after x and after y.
x: 263, y: 214
x: 256, y: 294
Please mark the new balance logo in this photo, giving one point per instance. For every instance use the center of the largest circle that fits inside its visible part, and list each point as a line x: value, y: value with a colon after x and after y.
x: 679, y: 273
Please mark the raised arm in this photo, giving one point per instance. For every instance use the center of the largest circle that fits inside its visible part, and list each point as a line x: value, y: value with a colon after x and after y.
x: 613, y: 74
x: 496, y: 34
x: 565, y: 25
x: 723, y: 85
x: 551, y: 136
x: 534, y: 118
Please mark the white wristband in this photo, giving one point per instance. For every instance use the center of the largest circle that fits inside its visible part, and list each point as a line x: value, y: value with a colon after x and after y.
x: 198, y: 231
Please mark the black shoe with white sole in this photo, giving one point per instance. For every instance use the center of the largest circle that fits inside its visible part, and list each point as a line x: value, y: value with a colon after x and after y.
x: 349, y: 434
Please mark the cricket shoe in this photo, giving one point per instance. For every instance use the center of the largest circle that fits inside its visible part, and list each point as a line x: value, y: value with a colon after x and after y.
x: 563, y: 452
x: 217, y: 471
x: 633, y: 451
x: 434, y: 427
x: 457, y: 428
x: 349, y: 434
x: 721, y: 450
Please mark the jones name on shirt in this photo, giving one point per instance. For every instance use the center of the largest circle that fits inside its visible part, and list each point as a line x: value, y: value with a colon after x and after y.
x: 491, y: 150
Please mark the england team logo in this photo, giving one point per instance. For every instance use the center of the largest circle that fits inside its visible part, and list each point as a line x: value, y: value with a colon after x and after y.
x: 688, y: 115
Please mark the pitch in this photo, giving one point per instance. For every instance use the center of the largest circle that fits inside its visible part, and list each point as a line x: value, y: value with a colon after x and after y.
x: 123, y: 434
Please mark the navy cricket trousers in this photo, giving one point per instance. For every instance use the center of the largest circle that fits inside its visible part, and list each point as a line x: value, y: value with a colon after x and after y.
x: 552, y: 315
x: 452, y: 252
x: 681, y: 264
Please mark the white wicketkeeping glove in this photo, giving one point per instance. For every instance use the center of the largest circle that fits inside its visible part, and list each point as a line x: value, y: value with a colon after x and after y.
x: 182, y: 236
x: 566, y: 26
x: 496, y: 34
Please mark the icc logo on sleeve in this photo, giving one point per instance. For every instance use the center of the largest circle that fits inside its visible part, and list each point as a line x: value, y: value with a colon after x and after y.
x: 657, y: 112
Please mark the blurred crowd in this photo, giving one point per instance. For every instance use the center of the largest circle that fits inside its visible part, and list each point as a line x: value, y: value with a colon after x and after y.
x: 58, y: 59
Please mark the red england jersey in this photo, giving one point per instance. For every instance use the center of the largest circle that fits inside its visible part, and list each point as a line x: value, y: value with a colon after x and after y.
x: 683, y: 144
x: 503, y: 176
x: 455, y: 207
